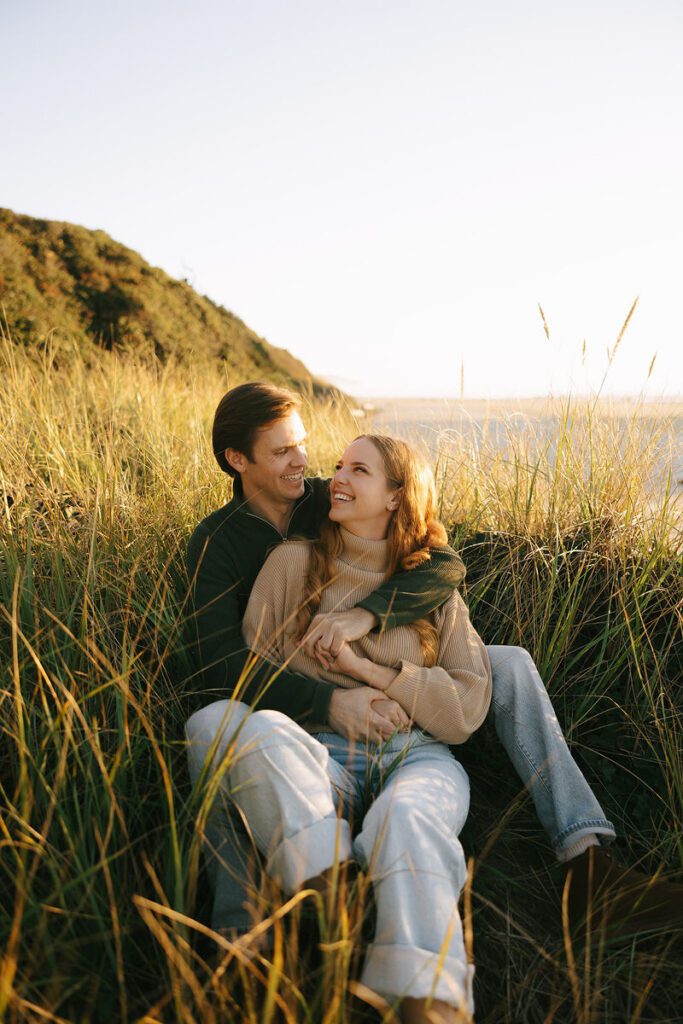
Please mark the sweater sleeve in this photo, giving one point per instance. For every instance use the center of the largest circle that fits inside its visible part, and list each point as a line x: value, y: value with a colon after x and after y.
x: 414, y: 593
x: 226, y: 665
x: 450, y: 700
x: 266, y: 619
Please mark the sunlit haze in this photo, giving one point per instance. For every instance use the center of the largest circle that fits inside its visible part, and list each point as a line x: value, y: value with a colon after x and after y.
x: 388, y: 190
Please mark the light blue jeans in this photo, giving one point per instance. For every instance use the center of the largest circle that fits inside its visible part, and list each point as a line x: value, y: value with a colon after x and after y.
x: 301, y: 795
x: 528, y: 729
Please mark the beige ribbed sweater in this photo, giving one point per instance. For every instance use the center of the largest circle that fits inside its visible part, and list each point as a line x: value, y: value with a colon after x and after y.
x: 449, y: 700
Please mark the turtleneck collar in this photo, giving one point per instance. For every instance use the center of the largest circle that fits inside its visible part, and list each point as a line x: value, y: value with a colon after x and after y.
x: 372, y: 555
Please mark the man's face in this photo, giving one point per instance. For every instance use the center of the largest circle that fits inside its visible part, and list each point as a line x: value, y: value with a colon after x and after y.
x: 276, y: 470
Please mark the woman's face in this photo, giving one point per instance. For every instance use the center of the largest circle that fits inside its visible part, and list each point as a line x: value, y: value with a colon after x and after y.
x: 361, y: 498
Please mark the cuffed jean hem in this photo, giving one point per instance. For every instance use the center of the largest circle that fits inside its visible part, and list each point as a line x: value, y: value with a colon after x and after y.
x: 579, y: 829
x: 399, y: 972
x: 310, y: 852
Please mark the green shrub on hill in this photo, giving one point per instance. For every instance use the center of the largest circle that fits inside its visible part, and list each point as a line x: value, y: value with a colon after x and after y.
x: 93, y: 290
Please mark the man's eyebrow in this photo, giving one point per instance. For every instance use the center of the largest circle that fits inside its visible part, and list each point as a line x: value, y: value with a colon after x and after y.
x: 281, y: 447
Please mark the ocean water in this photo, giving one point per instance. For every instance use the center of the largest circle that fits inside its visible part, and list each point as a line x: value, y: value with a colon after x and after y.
x: 500, y: 425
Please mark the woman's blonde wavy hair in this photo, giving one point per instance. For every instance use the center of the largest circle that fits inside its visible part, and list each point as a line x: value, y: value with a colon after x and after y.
x: 413, y: 531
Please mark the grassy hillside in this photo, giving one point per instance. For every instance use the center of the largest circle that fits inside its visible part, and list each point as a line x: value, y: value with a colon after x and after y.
x: 104, y: 473
x: 91, y: 289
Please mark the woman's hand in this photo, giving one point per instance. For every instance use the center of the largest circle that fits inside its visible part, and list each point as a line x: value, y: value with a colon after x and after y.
x: 360, y: 714
x: 348, y: 663
x: 326, y: 641
x: 328, y: 633
x: 357, y: 667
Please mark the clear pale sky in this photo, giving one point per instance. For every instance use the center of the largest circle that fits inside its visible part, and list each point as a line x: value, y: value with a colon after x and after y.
x: 388, y: 189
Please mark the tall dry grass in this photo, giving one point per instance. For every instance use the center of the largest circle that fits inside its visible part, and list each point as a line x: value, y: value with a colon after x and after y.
x: 105, y: 470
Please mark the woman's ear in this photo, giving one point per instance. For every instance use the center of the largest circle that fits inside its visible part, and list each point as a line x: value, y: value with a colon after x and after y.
x: 394, y: 500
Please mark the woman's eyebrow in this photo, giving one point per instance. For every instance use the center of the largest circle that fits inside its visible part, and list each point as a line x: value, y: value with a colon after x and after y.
x: 340, y: 464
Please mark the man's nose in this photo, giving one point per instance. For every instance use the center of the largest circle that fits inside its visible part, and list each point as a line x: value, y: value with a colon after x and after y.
x: 299, y: 456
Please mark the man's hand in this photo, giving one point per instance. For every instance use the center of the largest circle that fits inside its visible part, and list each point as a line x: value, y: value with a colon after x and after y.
x: 359, y: 714
x: 328, y: 633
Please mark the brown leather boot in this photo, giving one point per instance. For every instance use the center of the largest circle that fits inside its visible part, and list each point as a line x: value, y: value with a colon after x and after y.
x: 608, y: 899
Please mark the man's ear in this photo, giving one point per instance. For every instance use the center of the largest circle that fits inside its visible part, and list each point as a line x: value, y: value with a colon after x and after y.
x: 236, y: 459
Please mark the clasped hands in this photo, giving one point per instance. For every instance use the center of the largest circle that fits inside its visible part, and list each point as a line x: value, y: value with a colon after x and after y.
x: 361, y: 712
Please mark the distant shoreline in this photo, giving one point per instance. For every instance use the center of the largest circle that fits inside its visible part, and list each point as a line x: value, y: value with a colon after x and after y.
x: 439, y: 408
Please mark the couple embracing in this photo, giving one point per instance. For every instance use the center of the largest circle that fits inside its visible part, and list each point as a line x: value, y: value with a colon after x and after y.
x: 337, y: 662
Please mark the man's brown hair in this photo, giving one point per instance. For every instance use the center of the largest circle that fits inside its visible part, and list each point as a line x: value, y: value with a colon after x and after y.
x: 243, y: 411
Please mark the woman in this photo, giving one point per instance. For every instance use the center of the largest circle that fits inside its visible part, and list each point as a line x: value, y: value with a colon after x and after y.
x: 301, y: 788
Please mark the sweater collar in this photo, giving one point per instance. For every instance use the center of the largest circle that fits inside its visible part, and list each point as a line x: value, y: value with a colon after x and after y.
x: 371, y: 555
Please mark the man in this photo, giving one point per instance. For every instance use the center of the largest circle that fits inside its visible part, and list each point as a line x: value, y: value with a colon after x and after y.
x: 259, y: 440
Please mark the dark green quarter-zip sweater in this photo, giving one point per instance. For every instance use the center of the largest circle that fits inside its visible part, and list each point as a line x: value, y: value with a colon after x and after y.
x: 225, y: 555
